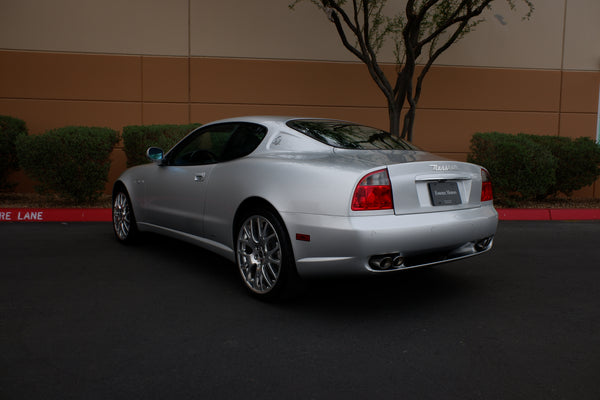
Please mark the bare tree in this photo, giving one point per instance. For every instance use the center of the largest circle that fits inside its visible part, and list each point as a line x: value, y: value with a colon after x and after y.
x: 425, y: 29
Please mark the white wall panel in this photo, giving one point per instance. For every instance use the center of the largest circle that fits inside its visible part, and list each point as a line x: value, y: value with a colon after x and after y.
x: 505, y: 40
x: 269, y: 29
x: 263, y: 29
x: 582, y: 35
x: 97, y: 26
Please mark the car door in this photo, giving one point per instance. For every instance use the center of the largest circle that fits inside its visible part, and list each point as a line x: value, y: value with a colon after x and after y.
x: 176, y: 191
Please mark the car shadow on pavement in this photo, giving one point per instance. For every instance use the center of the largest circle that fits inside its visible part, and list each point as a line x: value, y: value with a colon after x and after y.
x: 423, y: 287
x: 407, y: 289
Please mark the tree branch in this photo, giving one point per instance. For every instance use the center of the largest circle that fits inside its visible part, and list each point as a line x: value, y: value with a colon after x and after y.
x: 455, y: 19
x: 340, y: 29
x: 435, y: 55
x: 424, y: 25
x: 366, y: 53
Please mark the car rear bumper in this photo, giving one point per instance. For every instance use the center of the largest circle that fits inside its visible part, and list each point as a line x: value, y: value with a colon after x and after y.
x: 329, y: 245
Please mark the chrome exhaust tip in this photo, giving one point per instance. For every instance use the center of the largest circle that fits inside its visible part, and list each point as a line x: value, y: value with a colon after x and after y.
x: 398, y: 261
x: 383, y: 262
x: 484, y: 244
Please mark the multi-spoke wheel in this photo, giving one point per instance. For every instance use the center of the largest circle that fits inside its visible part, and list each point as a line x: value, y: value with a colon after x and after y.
x: 264, y: 255
x: 123, y: 219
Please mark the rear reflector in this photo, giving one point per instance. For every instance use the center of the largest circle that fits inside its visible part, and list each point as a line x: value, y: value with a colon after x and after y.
x: 302, y: 237
x: 373, y: 192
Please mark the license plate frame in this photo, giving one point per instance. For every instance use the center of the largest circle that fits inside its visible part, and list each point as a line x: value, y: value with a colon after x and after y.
x: 444, y: 193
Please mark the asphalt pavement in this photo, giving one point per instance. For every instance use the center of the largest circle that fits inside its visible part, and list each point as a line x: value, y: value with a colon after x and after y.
x: 84, y: 317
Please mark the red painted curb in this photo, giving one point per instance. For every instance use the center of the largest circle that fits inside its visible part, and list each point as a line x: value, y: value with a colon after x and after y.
x: 548, y: 214
x: 55, y: 214
x: 105, y: 214
x: 563, y: 214
x: 523, y: 214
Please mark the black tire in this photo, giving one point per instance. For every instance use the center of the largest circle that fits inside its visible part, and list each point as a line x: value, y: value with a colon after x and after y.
x: 264, y: 256
x: 124, y: 223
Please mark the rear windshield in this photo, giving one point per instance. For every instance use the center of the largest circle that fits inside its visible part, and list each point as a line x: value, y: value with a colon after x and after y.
x: 347, y: 135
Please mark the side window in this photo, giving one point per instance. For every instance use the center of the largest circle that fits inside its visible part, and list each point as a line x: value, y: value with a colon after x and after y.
x: 218, y: 143
x: 202, y: 147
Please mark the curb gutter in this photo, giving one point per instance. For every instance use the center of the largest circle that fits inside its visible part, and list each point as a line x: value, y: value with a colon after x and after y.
x: 105, y: 214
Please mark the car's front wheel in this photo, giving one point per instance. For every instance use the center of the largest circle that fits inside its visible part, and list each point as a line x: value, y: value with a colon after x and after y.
x: 124, y: 224
x: 264, y: 256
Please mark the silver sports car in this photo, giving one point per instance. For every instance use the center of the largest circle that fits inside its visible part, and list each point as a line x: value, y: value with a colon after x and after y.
x: 287, y: 198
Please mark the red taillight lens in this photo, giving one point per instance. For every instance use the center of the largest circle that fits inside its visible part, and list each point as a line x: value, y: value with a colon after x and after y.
x: 486, y: 186
x: 373, y: 192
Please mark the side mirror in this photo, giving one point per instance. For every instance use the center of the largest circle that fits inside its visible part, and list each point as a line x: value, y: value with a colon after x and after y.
x: 155, y: 154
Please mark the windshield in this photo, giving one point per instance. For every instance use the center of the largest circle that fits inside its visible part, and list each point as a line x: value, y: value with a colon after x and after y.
x: 348, y: 135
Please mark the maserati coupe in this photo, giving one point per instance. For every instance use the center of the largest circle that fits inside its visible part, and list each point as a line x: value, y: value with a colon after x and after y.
x: 291, y: 198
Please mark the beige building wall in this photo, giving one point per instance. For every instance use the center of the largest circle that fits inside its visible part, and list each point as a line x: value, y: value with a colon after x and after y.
x: 560, y: 33
x: 93, y: 26
x: 115, y: 63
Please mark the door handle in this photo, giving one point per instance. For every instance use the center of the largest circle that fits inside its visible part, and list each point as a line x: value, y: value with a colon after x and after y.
x: 200, y: 177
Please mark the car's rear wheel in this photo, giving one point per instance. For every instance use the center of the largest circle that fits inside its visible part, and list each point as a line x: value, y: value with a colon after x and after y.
x: 124, y: 224
x: 264, y: 256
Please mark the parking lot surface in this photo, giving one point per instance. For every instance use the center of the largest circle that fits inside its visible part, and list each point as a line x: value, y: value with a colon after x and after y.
x: 83, y: 317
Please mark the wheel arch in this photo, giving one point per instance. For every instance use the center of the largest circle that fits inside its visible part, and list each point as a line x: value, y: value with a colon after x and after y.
x: 118, y: 185
x: 252, y: 203
x: 123, y: 214
x: 290, y: 282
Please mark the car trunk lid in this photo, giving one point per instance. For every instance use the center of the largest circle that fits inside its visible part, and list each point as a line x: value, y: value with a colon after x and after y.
x: 434, y: 186
x: 422, y: 182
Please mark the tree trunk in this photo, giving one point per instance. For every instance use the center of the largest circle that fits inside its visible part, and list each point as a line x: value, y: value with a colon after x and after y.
x: 409, y: 122
x: 394, y: 118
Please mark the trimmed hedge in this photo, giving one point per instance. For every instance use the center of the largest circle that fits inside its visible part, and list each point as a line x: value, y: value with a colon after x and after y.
x: 72, y: 162
x: 10, y: 129
x: 529, y: 167
x: 578, y: 162
x: 137, y: 139
x: 520, y: 167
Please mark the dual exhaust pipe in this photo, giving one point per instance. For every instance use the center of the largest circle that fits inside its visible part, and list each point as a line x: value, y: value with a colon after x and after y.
x: 386, y: 261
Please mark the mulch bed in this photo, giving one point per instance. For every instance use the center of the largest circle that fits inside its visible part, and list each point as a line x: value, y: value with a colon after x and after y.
x: 34, y: 200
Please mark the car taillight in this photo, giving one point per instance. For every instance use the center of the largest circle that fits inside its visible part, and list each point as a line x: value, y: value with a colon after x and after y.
x: 486, y: 186
x: 373, y: 192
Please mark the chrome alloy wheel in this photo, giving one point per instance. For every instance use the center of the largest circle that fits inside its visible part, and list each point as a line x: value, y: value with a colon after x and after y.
x: 122, y: 216
x: 259, y: 254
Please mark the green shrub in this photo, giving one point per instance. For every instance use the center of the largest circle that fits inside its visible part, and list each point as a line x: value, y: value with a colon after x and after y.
x: 520, y: 167
x: 10, y: 129
x: 72, y: 162
x: 578, y: 162
x: 137, y: 139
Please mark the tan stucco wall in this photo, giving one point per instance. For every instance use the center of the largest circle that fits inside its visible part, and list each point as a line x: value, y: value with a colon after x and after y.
x: 561, y: 33
x: 115, y: 63
x: 107, y: 26
x: 50, y: 90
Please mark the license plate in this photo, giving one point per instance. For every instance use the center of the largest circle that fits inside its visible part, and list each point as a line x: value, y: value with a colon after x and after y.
x: 444, y: 193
